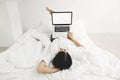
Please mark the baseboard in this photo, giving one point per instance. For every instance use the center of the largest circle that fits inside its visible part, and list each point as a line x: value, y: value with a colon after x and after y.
x: 3, y: 49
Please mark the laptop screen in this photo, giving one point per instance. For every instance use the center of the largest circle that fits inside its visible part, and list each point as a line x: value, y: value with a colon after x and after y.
x: 62, y: 18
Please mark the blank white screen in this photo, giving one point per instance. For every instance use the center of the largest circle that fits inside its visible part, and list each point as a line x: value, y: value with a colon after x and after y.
x: 61, y: 18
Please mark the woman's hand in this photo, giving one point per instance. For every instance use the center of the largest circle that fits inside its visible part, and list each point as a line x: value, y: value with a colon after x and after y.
x: 62, y: 49
x: 70, y: 36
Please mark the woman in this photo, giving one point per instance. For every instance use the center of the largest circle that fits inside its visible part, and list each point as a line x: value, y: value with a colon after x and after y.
x: 61, y: 61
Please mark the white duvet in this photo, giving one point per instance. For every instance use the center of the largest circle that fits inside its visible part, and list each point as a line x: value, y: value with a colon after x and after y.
x: 19, y: 61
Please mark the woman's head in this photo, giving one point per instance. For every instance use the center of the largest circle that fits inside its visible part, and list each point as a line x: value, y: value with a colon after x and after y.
x: 62, y: 60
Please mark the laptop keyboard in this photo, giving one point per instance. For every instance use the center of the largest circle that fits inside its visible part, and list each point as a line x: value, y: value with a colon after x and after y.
x: 62, y: 29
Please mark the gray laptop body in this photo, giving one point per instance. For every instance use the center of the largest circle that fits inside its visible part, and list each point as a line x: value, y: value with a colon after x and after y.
x: 61, y: 22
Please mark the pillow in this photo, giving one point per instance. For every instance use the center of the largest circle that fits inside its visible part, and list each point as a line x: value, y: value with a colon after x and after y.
x: 43, y: 37
x: 43, y: 28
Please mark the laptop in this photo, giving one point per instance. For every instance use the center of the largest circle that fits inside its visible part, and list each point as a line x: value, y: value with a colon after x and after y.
x: 61, y: 22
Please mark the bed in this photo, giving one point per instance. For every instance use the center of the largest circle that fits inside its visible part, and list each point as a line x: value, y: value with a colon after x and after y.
x: 19, y: 61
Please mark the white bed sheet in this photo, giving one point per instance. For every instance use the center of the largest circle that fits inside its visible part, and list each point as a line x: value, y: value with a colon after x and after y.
x: 31, y: 74
x: 103, y: 65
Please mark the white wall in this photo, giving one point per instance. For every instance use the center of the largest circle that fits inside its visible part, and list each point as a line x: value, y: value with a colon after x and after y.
x: 32, y: 13
x: 10, y: 24
x: 14, y: 18
x: 100, y: 16
x: 5, y: 28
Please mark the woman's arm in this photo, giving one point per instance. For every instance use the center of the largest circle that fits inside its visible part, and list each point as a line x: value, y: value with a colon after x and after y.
x: 70, y: 36
x: 42, y: 68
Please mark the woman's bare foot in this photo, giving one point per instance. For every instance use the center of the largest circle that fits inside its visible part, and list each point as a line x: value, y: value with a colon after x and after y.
x: 49, y: 10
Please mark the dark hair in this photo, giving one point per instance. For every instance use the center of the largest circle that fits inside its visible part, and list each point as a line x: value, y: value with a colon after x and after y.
x: 62, y: 60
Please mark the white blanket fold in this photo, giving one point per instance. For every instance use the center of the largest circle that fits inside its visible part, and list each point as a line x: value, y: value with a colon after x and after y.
x: 24, y: 53
x: 92, y: 64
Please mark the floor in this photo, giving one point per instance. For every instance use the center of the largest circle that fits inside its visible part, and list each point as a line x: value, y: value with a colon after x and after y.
x: 2, y: 49
x: 109, y: 42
